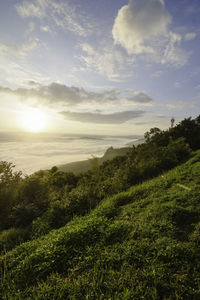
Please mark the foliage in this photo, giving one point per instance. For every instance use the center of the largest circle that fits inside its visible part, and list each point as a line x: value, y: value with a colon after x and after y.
x: 13, y: 236
x: 138, y: 244
x: 9, y: 183
x: 188, y: 128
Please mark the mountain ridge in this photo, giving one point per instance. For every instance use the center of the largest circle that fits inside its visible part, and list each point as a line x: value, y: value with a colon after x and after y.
x: 85, y: 165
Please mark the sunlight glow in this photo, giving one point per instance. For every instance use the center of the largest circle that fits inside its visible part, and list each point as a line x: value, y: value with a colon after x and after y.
x: 34, y: 120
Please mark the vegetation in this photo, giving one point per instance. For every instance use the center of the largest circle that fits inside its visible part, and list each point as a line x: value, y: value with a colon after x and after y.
x: 139, y: 244
x: 122, y: 235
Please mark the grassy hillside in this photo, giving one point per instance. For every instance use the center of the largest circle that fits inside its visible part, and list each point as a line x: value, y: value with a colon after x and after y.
x: 139, y: 244
x: 85, y: 165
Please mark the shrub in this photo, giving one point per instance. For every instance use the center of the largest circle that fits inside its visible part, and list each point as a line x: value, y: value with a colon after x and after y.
x: 12, y: 237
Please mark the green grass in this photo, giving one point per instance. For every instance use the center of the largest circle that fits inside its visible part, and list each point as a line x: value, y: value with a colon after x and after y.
x: 139, y: 244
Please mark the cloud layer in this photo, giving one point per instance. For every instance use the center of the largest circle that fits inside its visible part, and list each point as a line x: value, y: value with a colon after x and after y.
x: 61, y: 95
x: 114, y: 118
x: 40, y: 152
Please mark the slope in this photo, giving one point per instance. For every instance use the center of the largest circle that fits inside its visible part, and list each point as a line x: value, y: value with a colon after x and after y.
x: 85, y: 165
x: 139, y: 244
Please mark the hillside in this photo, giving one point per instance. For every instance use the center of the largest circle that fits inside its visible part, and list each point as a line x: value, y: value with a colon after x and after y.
x: 138, y: 244
x: 85, y: 165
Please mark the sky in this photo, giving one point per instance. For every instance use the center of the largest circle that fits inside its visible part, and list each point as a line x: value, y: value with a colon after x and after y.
x: 98, y: 67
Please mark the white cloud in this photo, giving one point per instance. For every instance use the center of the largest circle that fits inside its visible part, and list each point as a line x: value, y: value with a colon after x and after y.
x: 142, y: 27
x: 174, y: 54
x: 21, y: 74
x: 139, y: 22
x: 46, y: 28
x: 15, y: 66
x: 61, y: 13
x: 190, y: 36
x: 19, y: 50
x: 30, y: 29
x: 108, y: 61
x: 30, y: 9
x: 88, y: 49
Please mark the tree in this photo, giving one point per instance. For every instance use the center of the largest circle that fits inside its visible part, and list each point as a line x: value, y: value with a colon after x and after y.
x: 7, y: 175
x: 152, y: 134
x: 9, y: 184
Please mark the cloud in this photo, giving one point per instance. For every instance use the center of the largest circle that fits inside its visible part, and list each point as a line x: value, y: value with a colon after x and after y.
x: 140, y: 98
x: 61, y: 13
x: 142, y: 27
x: 30, y: 29
x: 46, y: 28
x: 21, y: 74
x: 30, y: 9
x: 54, y: 93
x: 174, y: 54
x: 190, y: 36
x: 181, y: 105
x: 32, y: 83
x: 31, y: 153
x: 59, y: 94
x: 19, y: 50
x: 108, y: 61
x: 114, y: 118
x: 138, y: 22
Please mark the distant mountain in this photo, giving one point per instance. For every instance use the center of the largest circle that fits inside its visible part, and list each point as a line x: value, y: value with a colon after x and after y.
x: 85, y: 165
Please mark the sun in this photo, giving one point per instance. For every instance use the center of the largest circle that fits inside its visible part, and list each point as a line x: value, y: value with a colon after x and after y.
x: 34, y: 120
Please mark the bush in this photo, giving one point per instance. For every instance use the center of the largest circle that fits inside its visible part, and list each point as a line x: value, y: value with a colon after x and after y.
x: 12, y: 237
